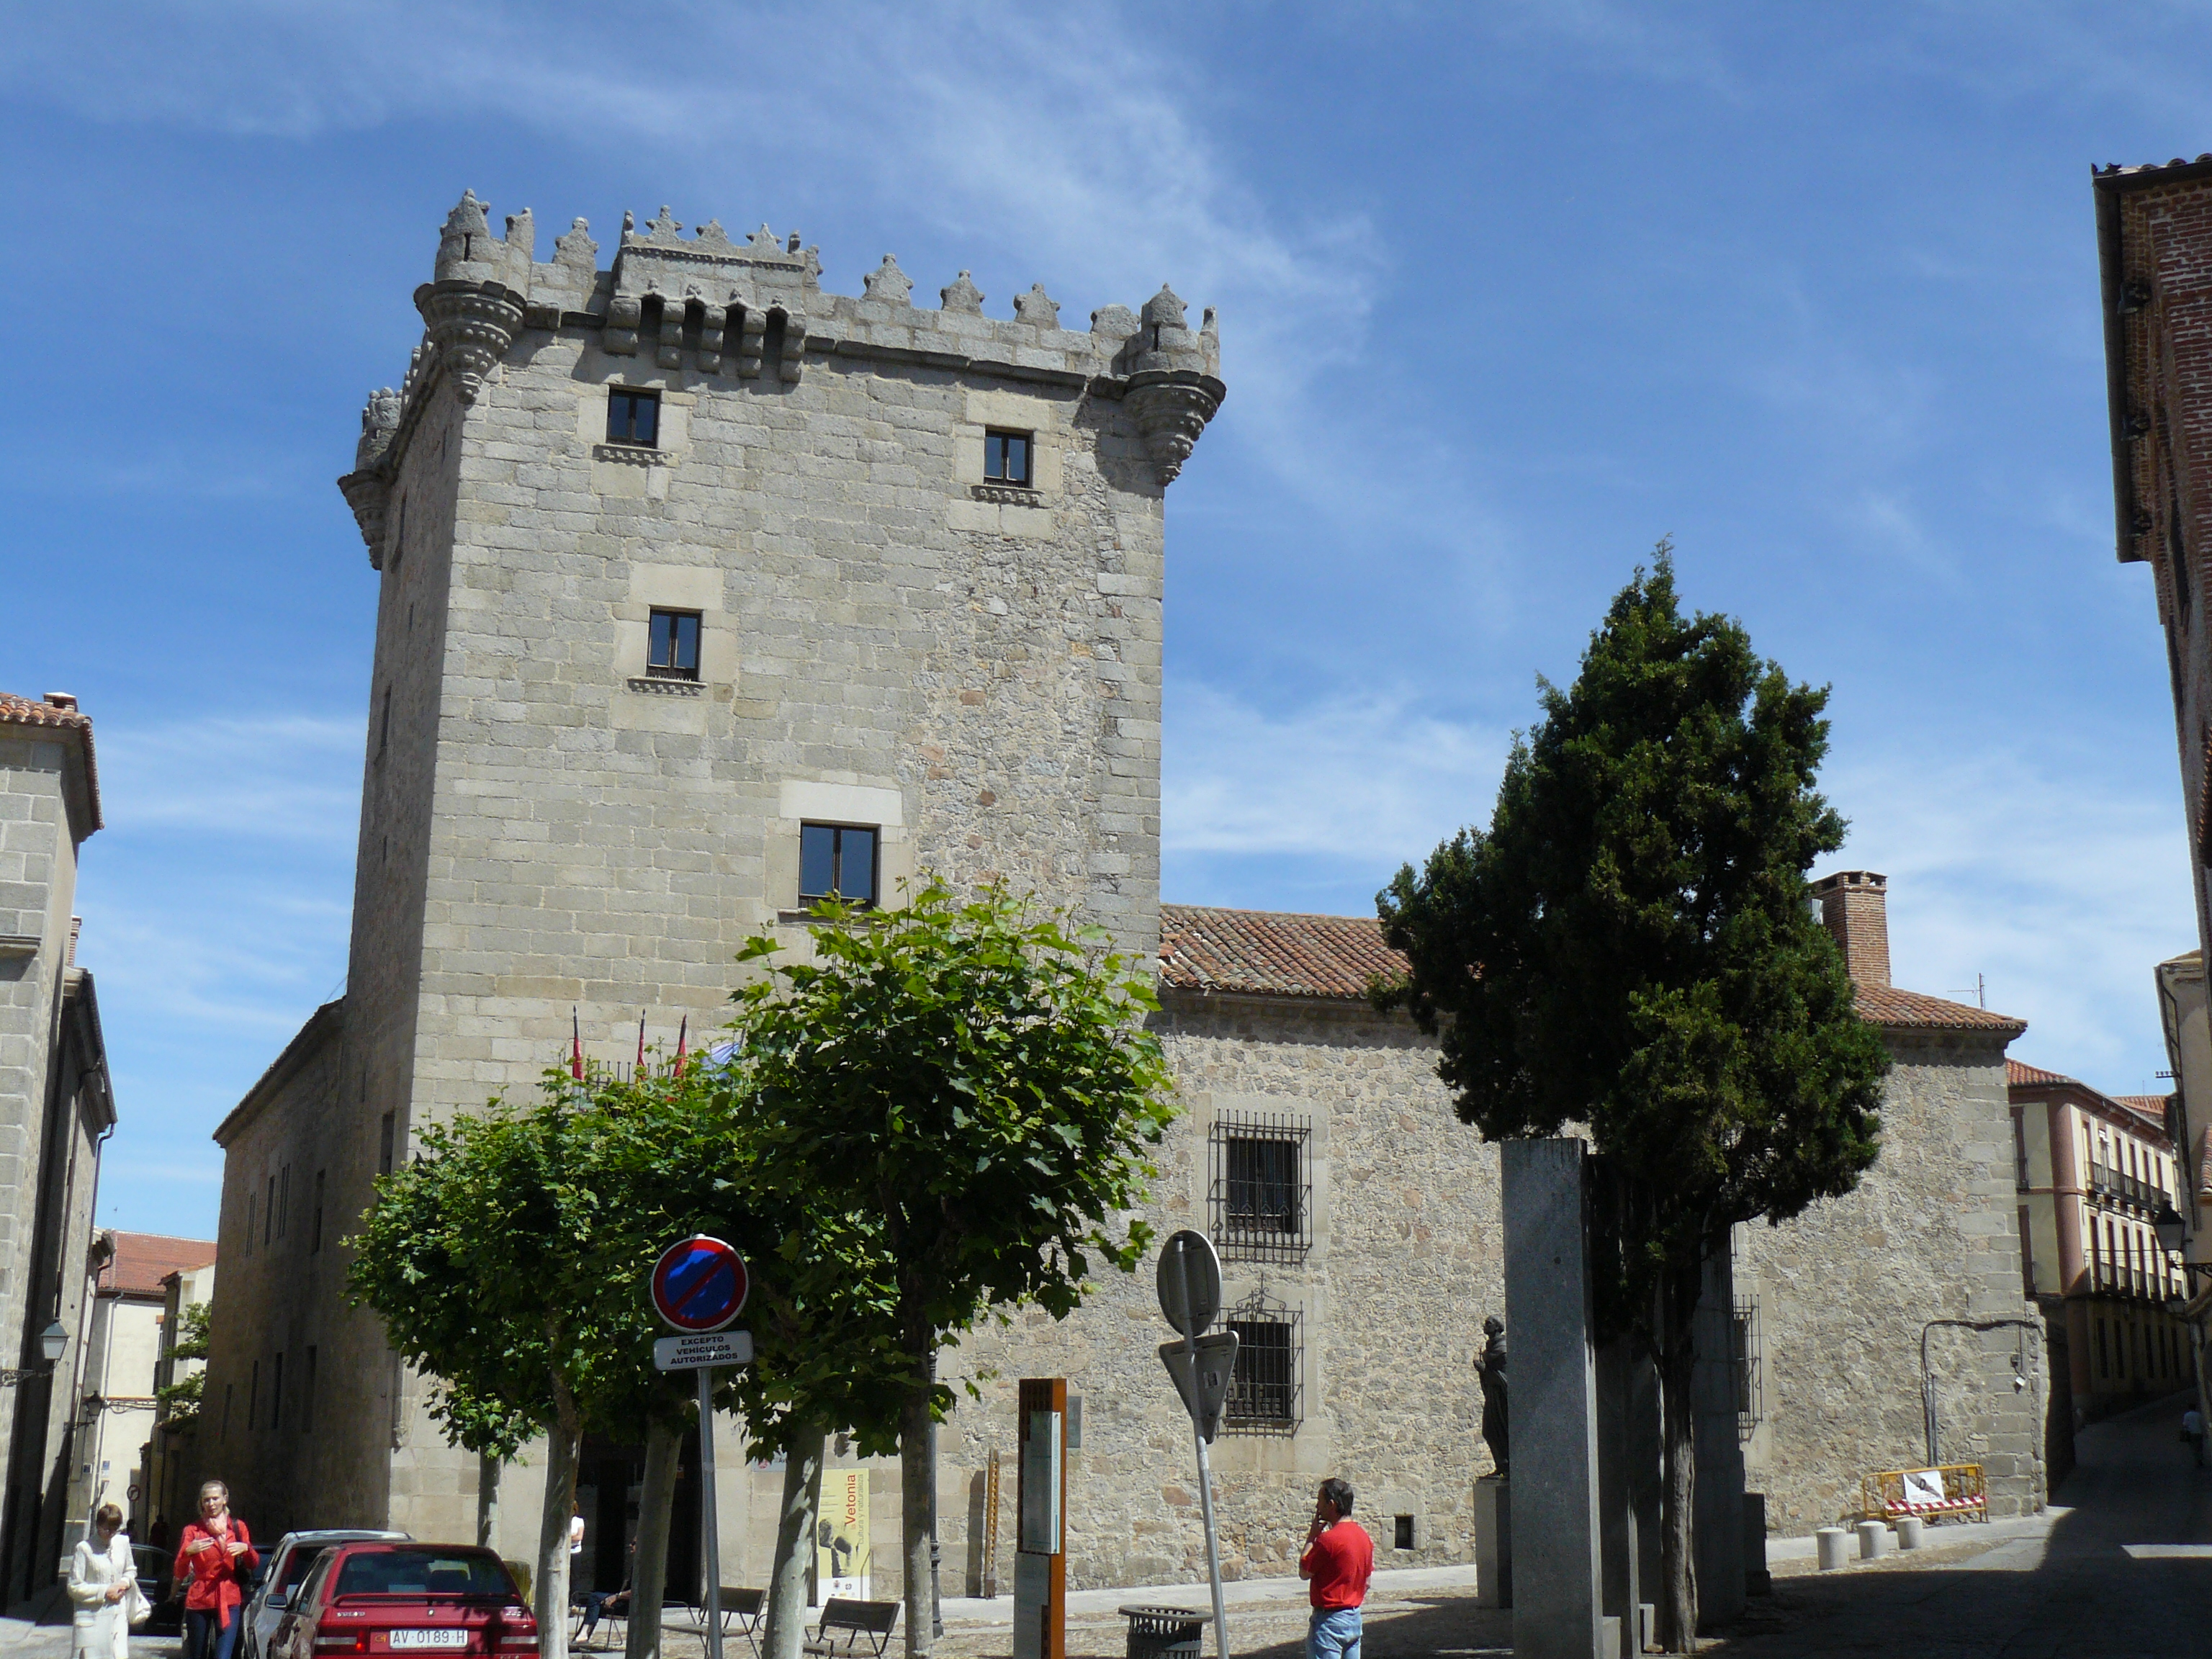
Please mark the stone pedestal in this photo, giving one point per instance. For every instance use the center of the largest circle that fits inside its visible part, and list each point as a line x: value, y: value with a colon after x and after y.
x: 1557, y: 1559
x: 1757, y: 1579
x: 1830, y: 1542
x: 1494, y: 1542
x: 1717, y: 1494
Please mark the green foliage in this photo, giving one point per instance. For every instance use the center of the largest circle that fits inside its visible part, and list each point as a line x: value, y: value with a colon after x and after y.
x: 191, y: 1341
x: 178, y: 1404
x: 970, y: 1086
x: 1631, y: 944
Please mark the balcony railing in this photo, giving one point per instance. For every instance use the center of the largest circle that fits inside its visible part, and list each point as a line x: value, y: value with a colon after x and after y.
x: 2118, y: 1186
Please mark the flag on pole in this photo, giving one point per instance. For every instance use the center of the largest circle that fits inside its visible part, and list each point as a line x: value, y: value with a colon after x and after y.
x: 683, y: 1027
x: 576, y: 1047
x: 641, y: 1037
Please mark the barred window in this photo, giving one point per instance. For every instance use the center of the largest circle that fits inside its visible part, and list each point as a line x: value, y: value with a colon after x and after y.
x: 1262, y: 1193
x: 1264, y: 1392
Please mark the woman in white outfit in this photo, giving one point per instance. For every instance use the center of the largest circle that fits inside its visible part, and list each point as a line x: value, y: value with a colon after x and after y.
x: 103, y: 1589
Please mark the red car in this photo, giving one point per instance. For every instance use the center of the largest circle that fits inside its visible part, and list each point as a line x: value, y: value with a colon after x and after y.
x: 407, y: 1598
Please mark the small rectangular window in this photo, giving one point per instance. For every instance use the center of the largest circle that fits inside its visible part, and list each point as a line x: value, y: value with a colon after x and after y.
x: 672, y: 646
x: 1260, y: 1187
x: 633, y: 417
x: 1006, y: 458
x: 308, y: 1395
x: 839, y: 859
x: 315, y: 1228
x: 1402, y: 1532
x: 276, y: 1392
x: 384, y: 1146
x: 269, y: 1215
x: 252, y: 1204
x: 283, y: 1199
x: 1264, y: 1393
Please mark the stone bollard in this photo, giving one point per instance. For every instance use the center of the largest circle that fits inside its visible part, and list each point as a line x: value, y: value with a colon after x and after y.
x: 1908, y: 1532
x: 1873, y: 1540
x: 1830, y: 1542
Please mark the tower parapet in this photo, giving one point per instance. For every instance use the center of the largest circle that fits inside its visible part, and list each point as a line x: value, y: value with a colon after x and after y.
x: 754, y: 310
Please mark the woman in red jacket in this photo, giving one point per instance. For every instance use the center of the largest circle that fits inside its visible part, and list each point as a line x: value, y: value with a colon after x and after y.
x: 213, y: 1558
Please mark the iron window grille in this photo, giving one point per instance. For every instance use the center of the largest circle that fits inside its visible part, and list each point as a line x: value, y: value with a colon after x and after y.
x: 671, y: 650
x: 633, y: 417
x: 1260, y: 1190
x: 1266, y: 1395
x: 837, y: 859
x: 1746, y: 1356
x: 1006, y: 458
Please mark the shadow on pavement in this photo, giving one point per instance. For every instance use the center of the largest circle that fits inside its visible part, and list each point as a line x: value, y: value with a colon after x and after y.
x: 2075, y: 1590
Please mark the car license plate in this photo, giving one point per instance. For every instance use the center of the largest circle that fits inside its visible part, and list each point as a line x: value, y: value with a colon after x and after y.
x: 401, y: 1640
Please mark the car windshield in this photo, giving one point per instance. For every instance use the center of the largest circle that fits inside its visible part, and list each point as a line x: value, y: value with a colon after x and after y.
x: 422, y: 1572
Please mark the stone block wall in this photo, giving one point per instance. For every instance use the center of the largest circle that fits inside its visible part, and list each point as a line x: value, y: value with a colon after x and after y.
x: 1844, y: 1291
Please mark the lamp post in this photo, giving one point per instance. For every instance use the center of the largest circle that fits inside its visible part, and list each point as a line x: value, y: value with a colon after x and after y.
x: 53, y: 1342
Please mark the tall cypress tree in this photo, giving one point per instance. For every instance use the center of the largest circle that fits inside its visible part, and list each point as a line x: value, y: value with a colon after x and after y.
x: 1631, y: 946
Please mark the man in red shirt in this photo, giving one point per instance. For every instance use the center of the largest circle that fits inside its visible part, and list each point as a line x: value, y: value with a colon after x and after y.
x: 1339, y: 1560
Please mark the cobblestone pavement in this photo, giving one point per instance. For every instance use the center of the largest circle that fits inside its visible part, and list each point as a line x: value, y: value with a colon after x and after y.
x: 2097, y: 1583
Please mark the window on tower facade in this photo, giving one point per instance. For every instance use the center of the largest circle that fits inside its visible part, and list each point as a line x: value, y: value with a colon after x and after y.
x: 839, y: 860
x: 671, y: 651
x: 633, y: 417
x: 1006, y: 458
x: 1260, y: 1187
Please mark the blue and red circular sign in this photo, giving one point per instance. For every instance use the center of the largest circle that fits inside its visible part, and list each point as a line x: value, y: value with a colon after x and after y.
x: 699, y: 1284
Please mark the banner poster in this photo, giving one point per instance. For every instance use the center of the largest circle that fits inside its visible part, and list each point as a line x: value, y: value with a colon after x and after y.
x: 841, y: 1554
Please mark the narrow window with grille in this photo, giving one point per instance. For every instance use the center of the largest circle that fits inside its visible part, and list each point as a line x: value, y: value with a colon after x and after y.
x: 1261, y: 1188
x: 1264, y: 1393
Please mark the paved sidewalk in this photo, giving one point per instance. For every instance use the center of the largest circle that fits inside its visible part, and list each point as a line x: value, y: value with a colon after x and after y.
x: 2121, y: 1569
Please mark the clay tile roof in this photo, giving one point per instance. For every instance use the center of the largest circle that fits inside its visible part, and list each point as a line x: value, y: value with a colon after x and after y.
x: 2150, y: 1107
x: 142, y: 1260
x: 1274, y: 953
x: 25, y: 711
x: 1271, y: 953
x: 1915, y: 1011
x: 2018, y: 1072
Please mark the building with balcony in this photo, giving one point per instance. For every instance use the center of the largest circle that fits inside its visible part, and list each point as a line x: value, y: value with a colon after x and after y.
x: 2093, y: 1171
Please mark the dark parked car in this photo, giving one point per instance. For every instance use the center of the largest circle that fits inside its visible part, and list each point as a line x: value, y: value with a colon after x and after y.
x: 406, y: 1598
x: 152, y: 1563
x: 290, y: 1561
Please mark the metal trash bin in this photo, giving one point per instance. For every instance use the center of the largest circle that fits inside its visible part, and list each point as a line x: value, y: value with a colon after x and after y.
x: 1165, y: 1633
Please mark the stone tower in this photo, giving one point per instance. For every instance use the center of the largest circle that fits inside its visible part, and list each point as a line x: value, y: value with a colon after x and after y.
x: 699, y: 588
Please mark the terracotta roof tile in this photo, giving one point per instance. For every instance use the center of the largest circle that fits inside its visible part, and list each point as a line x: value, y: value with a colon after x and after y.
x: 25, y: 711
x: 142, y: 1260
x: 2019, y: 1073
x: 1274, y: 953
x: 2145, y: 1115
x: 1916, y: 1011
x: 1271, y: 953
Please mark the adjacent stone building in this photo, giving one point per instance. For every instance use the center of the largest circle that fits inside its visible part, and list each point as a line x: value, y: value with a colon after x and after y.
x: 2154, y: 253
x: 2093, y: 1171
x: 703, y: 591
x: 122, y: 1354
x: 56, y: 1110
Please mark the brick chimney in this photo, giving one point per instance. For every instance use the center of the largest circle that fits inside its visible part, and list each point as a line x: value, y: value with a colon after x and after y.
x: 1854, y: 907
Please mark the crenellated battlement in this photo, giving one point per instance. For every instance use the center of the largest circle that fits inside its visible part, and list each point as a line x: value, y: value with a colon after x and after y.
x: 754, y: 310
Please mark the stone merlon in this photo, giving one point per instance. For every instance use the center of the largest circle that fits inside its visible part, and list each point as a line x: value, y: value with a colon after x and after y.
x: 755, y: 307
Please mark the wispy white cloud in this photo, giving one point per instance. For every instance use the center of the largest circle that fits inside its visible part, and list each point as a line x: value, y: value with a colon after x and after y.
x: 1357, y: 778
x: 2041, y: 871
x: 290, y: 778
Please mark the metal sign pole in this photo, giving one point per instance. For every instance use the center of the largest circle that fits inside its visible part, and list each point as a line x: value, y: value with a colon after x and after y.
x: 1204, y: 1468
x: 710, y: 1543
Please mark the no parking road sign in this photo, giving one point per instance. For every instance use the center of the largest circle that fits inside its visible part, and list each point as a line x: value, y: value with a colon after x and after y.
x: 699, y: 1284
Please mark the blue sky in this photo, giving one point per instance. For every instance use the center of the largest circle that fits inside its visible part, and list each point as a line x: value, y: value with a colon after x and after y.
x: 1507, y: 292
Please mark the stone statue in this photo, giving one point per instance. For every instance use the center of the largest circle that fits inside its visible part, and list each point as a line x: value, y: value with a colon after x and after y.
x: 1491, y: 1367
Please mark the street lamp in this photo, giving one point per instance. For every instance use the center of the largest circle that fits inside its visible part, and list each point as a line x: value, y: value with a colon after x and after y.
x: 53, y: 1342
x: 2168, y: 1224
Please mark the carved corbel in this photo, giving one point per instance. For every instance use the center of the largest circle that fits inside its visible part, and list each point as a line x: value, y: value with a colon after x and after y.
x: 1171, y: 408
x: 368, y: 493
x: 472, y: 323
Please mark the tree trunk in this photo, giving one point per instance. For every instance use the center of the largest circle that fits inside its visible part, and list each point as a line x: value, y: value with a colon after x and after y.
x: 917, y: 1480
x: 794, y: 1546
x: 648, y: 1575
x: 560, y: 1448
x: 488, y: 1501
x: 1678, y: 1362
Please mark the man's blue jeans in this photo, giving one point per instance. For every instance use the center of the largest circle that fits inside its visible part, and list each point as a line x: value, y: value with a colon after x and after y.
x: 1334, y: 1634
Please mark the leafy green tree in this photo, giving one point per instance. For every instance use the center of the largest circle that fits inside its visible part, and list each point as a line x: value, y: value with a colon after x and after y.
x: 1631, y: 945
x: 510, y: 1261
x: 969, y: 1082
x: 178, y: 1403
